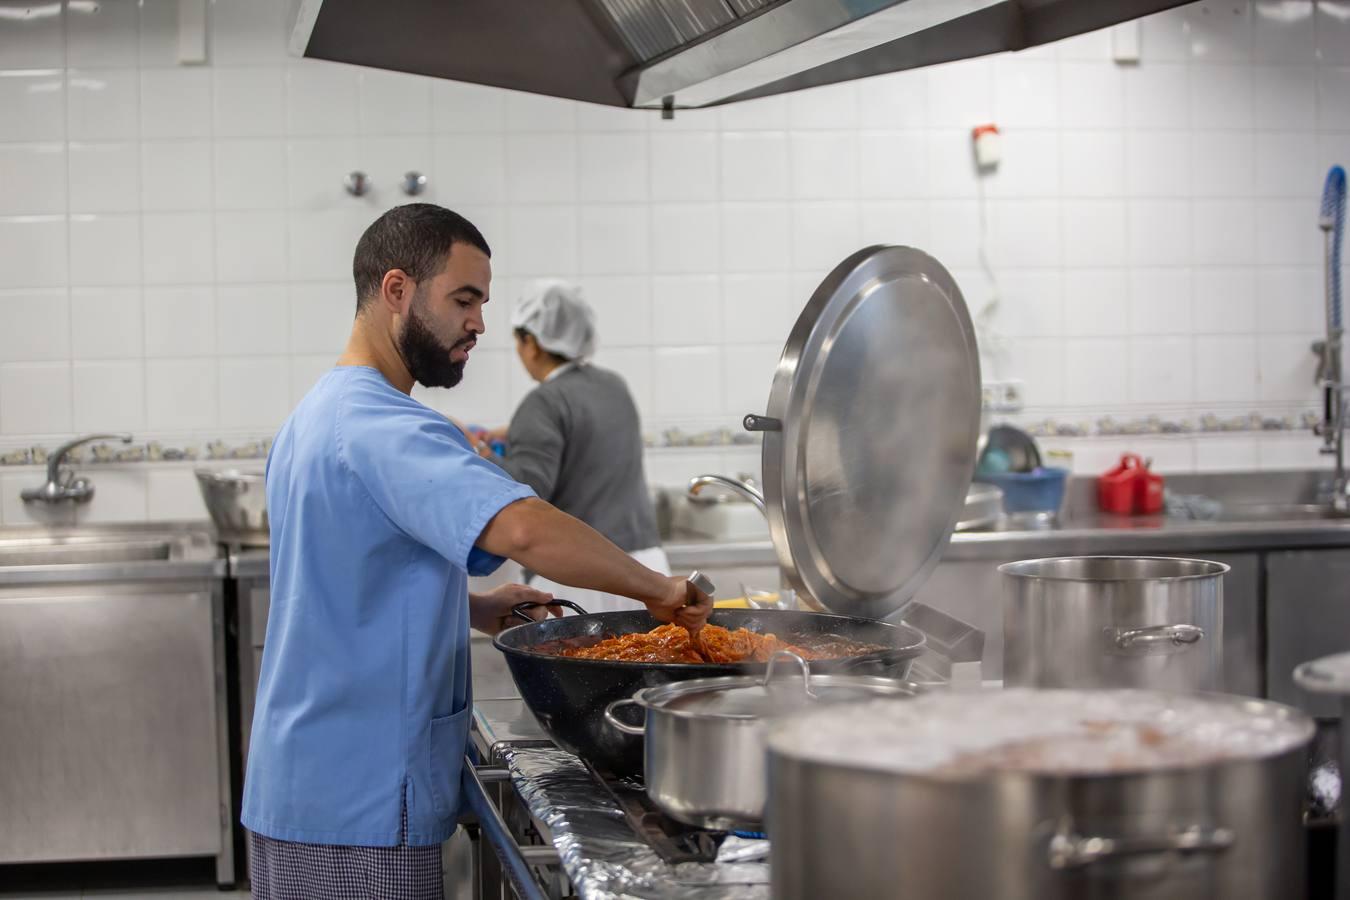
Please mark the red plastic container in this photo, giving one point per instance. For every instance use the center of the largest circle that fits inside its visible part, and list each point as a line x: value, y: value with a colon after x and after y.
x: 1148, y: 497
x: 1131, y: 488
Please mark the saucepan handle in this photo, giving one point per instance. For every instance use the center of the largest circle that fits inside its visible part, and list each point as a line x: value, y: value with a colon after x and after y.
x: 620, y: 724
x: 1158, y: 636
x: 519, y: 609
x: 1071, y: 851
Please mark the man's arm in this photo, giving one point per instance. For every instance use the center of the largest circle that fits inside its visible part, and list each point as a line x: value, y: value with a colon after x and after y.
x: 546, y: 540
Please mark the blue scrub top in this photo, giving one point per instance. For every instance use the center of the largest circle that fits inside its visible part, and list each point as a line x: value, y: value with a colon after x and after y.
x: 375, y: 502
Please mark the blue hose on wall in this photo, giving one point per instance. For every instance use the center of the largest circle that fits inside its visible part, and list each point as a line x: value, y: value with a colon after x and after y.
x: 1333, y: 220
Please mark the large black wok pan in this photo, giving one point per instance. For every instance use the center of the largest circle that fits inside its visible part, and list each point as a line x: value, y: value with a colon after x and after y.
x: 569, y: 696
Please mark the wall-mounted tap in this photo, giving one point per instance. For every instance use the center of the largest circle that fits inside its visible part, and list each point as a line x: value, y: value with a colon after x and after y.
x: 62, y: 485
x: 746, y: 488
x: 1330, y: 373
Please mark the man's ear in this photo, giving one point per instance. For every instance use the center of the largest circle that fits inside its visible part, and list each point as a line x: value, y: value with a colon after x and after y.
x: 396, y: 290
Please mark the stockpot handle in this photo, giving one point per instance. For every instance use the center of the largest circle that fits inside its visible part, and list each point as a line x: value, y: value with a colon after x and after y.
x: 803, y: 667
x: 616, y: 722
x: 1072, y: 851
x: 519, y: 609
x: 1158, y: 635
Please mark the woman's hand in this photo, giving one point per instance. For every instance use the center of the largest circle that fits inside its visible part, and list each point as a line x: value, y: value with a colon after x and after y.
x: 491, y: 613
x: 682, y: 604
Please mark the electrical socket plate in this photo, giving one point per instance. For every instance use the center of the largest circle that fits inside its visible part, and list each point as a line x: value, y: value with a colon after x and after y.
x: 1002, y: 396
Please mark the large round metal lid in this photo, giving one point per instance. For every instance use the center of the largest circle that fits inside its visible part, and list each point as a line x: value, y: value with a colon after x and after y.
x: 870, y: 437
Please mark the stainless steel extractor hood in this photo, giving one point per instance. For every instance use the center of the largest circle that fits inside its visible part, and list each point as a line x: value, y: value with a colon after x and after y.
x: 683, y: 53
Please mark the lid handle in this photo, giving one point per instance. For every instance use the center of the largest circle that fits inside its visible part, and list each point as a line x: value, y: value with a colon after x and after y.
x: 802, y: 665
x: 753, y: 422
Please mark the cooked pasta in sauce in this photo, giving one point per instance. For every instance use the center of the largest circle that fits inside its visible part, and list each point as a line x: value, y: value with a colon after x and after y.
x: 714, y: 644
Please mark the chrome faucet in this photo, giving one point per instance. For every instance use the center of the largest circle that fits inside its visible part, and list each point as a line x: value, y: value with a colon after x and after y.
x: 62, y: 485
x: 1330, y: 374
x: 746, y: 488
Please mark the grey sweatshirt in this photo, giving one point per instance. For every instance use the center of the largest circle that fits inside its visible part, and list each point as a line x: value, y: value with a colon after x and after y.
x: 577, y: 440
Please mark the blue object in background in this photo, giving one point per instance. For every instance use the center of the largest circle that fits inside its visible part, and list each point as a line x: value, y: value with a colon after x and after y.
x: 1029, y: 492
x: 1333, y: 220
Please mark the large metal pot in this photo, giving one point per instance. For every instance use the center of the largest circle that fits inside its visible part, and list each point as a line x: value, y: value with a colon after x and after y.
x: 1113, y: 622
x: 705, y: 738
x: 237, y: 502
x: 856, y: 810
x: 568, y: 696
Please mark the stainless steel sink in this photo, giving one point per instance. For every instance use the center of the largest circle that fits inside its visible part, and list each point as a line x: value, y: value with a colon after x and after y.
x: 1278, y: 512
x: 102, y: 545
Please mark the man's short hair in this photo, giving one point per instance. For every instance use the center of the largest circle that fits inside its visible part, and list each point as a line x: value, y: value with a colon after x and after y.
x: 416, y: 238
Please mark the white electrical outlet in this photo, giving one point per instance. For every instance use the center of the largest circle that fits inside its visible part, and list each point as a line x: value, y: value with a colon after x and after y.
x: 1002, y: 396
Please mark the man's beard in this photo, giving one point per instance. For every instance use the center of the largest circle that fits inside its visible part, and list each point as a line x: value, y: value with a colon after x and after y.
x: 427, y: 359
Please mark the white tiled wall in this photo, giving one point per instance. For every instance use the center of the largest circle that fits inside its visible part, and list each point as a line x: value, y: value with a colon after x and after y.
x: 175, y: 241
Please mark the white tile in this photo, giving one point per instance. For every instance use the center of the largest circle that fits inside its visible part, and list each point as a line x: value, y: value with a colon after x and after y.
x: 1158, y: 164
x: 109, y: 395
x: 1096, y: 303
x: 1220, y: 30
x: 674, y: 467
x: 33, y: 251
x: 961, y: 94
x: 543, y: 241
x: 106, y: 323
x: 1160, y: 301
x: 250, y: 246
x: 173, y: 496
x: 1280, y: 452
x: 1092, y: 46
x: 459, y: 106
x: 1286, y: 369
x: 180, y: 321
x: 247, y: 32
x: 1026, y: 233
x: 32, y: 179
x: 104, y: 177
x: 953, y: 232
x: 249, y: 102
x: 35, y: 398
x: 315, y: 169
x: 748, y: 370
x: 104, y: 104
x: 764, y: 114
x: 1166, y: 36
x: 1093, y: 163
x: 1039, y: 364
x: 1285, y: 98
x: 687, y: 382
x: 1159, y: 232
x: 636, y: 368
x: 482, y: 398
x: 1333, y: 31
x: 1224, y: 163
x: 1094, y: 232
x: 1223, y: 369
x: 1167, y: 455
x: 32, y: 37
x: 1285, y: 232
x: 181, y: 394
x: 757, y: 237
x: 105, y: 249
x: 1025, y: 93
x: 893, y: 164
x: 1091, y: 95
x: 535, y: 112
x: 596, y: 117
x: 321, y: 318
x: 119, y: 496
x: 470, y: 168
x: 386, y: 159
x: 623, y: 309
x: 1284, y: 163
x: 686, y: 310
x: 320, y: 244
x: 894, y: 223
x: 1221, y: 96
x: 615, y: 240
x: 1099, y: 367
x: 824, y: 235
x: 686, y: 238
x: 759, y: 308
x: 706, y: 119
x: 896, y: 100
x: 1162, y: 370
x: 1290, y: 300
x: 306, y: 371
x: 951, y: 167
x: 613, y: 168
x: 684, y: 166
x: 175, y: 175
x: 1157, y: 96
x: 833, y: 106
x: 393, y: 102
x: 1224, y: 300
x: 254, y: 391
x: 252, y: 320
x: 32, y: 105
x: 177, y: 248
x: 103, y: 34
x: 1224, y: 231
x: 755, y: 166
x: 542, y: 168
x: 824, y: 165
x: 250, y: 174
x: 175, y: 103
x: 1031, y: 303
x: 321, y: 99
x: 34, y: 325
x: 159, y: 32
x: 1220, y: 453
x: 1333, y: 98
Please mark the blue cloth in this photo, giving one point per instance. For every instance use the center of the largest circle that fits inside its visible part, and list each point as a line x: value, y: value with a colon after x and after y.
x: 375, y: 503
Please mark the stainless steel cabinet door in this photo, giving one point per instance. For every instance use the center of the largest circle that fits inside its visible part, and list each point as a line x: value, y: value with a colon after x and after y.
x: 1307, y: 616
x: 108, y: 729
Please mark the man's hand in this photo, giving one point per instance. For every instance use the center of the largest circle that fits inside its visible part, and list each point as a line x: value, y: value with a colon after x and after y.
x: 682, y: 604
x: 491, y: 613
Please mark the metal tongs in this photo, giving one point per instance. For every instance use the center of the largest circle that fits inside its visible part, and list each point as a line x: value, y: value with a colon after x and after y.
x: 704, y: 584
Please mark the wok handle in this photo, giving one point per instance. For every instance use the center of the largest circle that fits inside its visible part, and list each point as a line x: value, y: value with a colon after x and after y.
x: 519, y: 609
x: 616, y: 722
x: 1159, y: 636
x: 1072, y: 851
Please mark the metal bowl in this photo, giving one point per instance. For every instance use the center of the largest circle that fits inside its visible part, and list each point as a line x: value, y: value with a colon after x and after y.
x: 237, y: 502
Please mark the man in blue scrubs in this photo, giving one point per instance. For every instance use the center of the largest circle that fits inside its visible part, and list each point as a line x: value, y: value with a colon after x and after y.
x: 380, y: 510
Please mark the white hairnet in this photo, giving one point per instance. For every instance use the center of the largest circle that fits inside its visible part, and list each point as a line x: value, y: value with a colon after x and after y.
x: 558, y: 317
